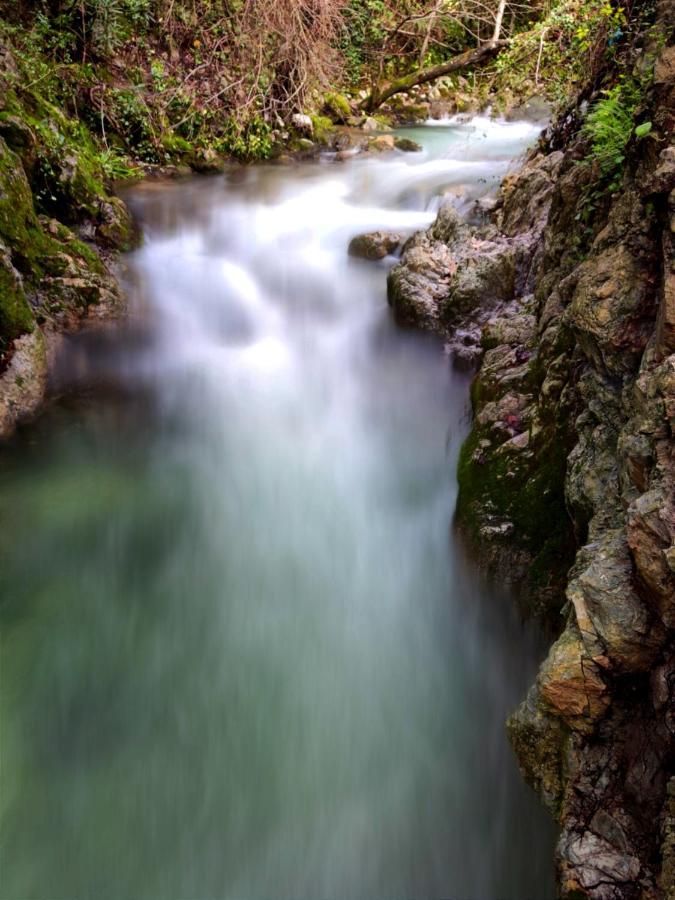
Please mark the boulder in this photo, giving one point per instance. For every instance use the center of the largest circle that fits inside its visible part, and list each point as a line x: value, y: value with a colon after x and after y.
x: 374, y: 244
x: 381, y: 143
x: 407, y: 145
x: 302, y: 124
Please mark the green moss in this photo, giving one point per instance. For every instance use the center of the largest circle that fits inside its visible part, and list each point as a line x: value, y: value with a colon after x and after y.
x: 177, y: 147
x: 16, y: 201
x: 86, y: 254
x: 16, y: 317
x: 526, y: 490
x: 336, y: 107
x: 322, y: 128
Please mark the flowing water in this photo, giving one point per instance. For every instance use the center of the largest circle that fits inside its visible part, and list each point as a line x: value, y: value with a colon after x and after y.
x: 242, y: 654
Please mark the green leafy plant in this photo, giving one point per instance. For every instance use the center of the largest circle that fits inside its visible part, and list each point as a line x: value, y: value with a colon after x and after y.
x: 610, y: 124
x: 248, y: 141
x: 115, y: 166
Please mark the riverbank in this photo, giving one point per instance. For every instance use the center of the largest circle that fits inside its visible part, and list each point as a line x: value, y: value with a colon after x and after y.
x: 566, y: 480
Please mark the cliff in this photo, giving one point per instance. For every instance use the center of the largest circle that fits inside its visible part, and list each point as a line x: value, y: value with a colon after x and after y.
x: 565, y: 292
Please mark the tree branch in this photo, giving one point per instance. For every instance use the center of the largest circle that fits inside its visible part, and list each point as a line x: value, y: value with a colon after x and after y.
x: 422, y: 76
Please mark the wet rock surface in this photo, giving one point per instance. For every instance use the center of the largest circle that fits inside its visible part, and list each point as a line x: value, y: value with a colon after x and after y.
x: 454, y: 276
x: 50, y: 279
x: 567, y: 479
x: 374, y: 244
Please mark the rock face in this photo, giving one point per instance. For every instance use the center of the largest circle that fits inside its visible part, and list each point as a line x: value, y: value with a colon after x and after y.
x: 49, y: 280
x: 453, y: 276
x: 567, y: 479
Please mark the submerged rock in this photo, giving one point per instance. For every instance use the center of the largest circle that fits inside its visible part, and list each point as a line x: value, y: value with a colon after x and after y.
x: 407, y: 145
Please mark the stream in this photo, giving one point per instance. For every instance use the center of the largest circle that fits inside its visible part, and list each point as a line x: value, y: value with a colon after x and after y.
x: 242, y: 654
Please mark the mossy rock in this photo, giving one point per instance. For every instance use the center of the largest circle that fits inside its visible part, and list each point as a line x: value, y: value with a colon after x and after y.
x: 322, y: 129
x: 16, y: 200
x: 68, y: 186
x: 115, y: 228
x: 16, y: 317
x: 336, y: 108
x: 524, y: 489
x: 407, y: 145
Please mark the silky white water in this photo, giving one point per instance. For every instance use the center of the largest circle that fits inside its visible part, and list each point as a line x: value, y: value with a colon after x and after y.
x: 242, y: 653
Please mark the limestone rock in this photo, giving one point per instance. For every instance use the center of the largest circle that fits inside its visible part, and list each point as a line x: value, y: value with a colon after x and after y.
x: 448, y: 271
x: 302, y: 124
x: 611, y: 310
x: 571, y: 684
x: 23, y: 383
x: 374, y: 244
x: 381, y: 143
x: 613, y: 620
x: 591, y: 864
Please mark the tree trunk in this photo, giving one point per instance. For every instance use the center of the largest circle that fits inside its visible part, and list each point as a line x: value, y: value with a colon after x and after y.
x: 427, y: 34
x: 470, y: 58
x: 498, y: 21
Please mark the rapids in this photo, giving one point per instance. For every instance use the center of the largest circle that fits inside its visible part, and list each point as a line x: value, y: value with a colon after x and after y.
x: 242, y: 655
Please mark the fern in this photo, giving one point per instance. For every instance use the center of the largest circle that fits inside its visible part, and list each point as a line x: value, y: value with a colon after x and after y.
x: 609, y: 126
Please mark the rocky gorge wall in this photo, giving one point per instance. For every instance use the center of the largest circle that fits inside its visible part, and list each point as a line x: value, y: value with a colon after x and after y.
x: 567, y: 479
x: 59, y: 230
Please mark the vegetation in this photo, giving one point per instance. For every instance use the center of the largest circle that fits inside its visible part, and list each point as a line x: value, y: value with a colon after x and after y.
x: 95, y: 91
x: 157, y: 81
x: 610, y: 125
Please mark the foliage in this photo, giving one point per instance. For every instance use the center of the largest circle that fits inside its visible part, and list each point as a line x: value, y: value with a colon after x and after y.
x: 249, y: 141
x: 608, y: 127
x: 557, y: 54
